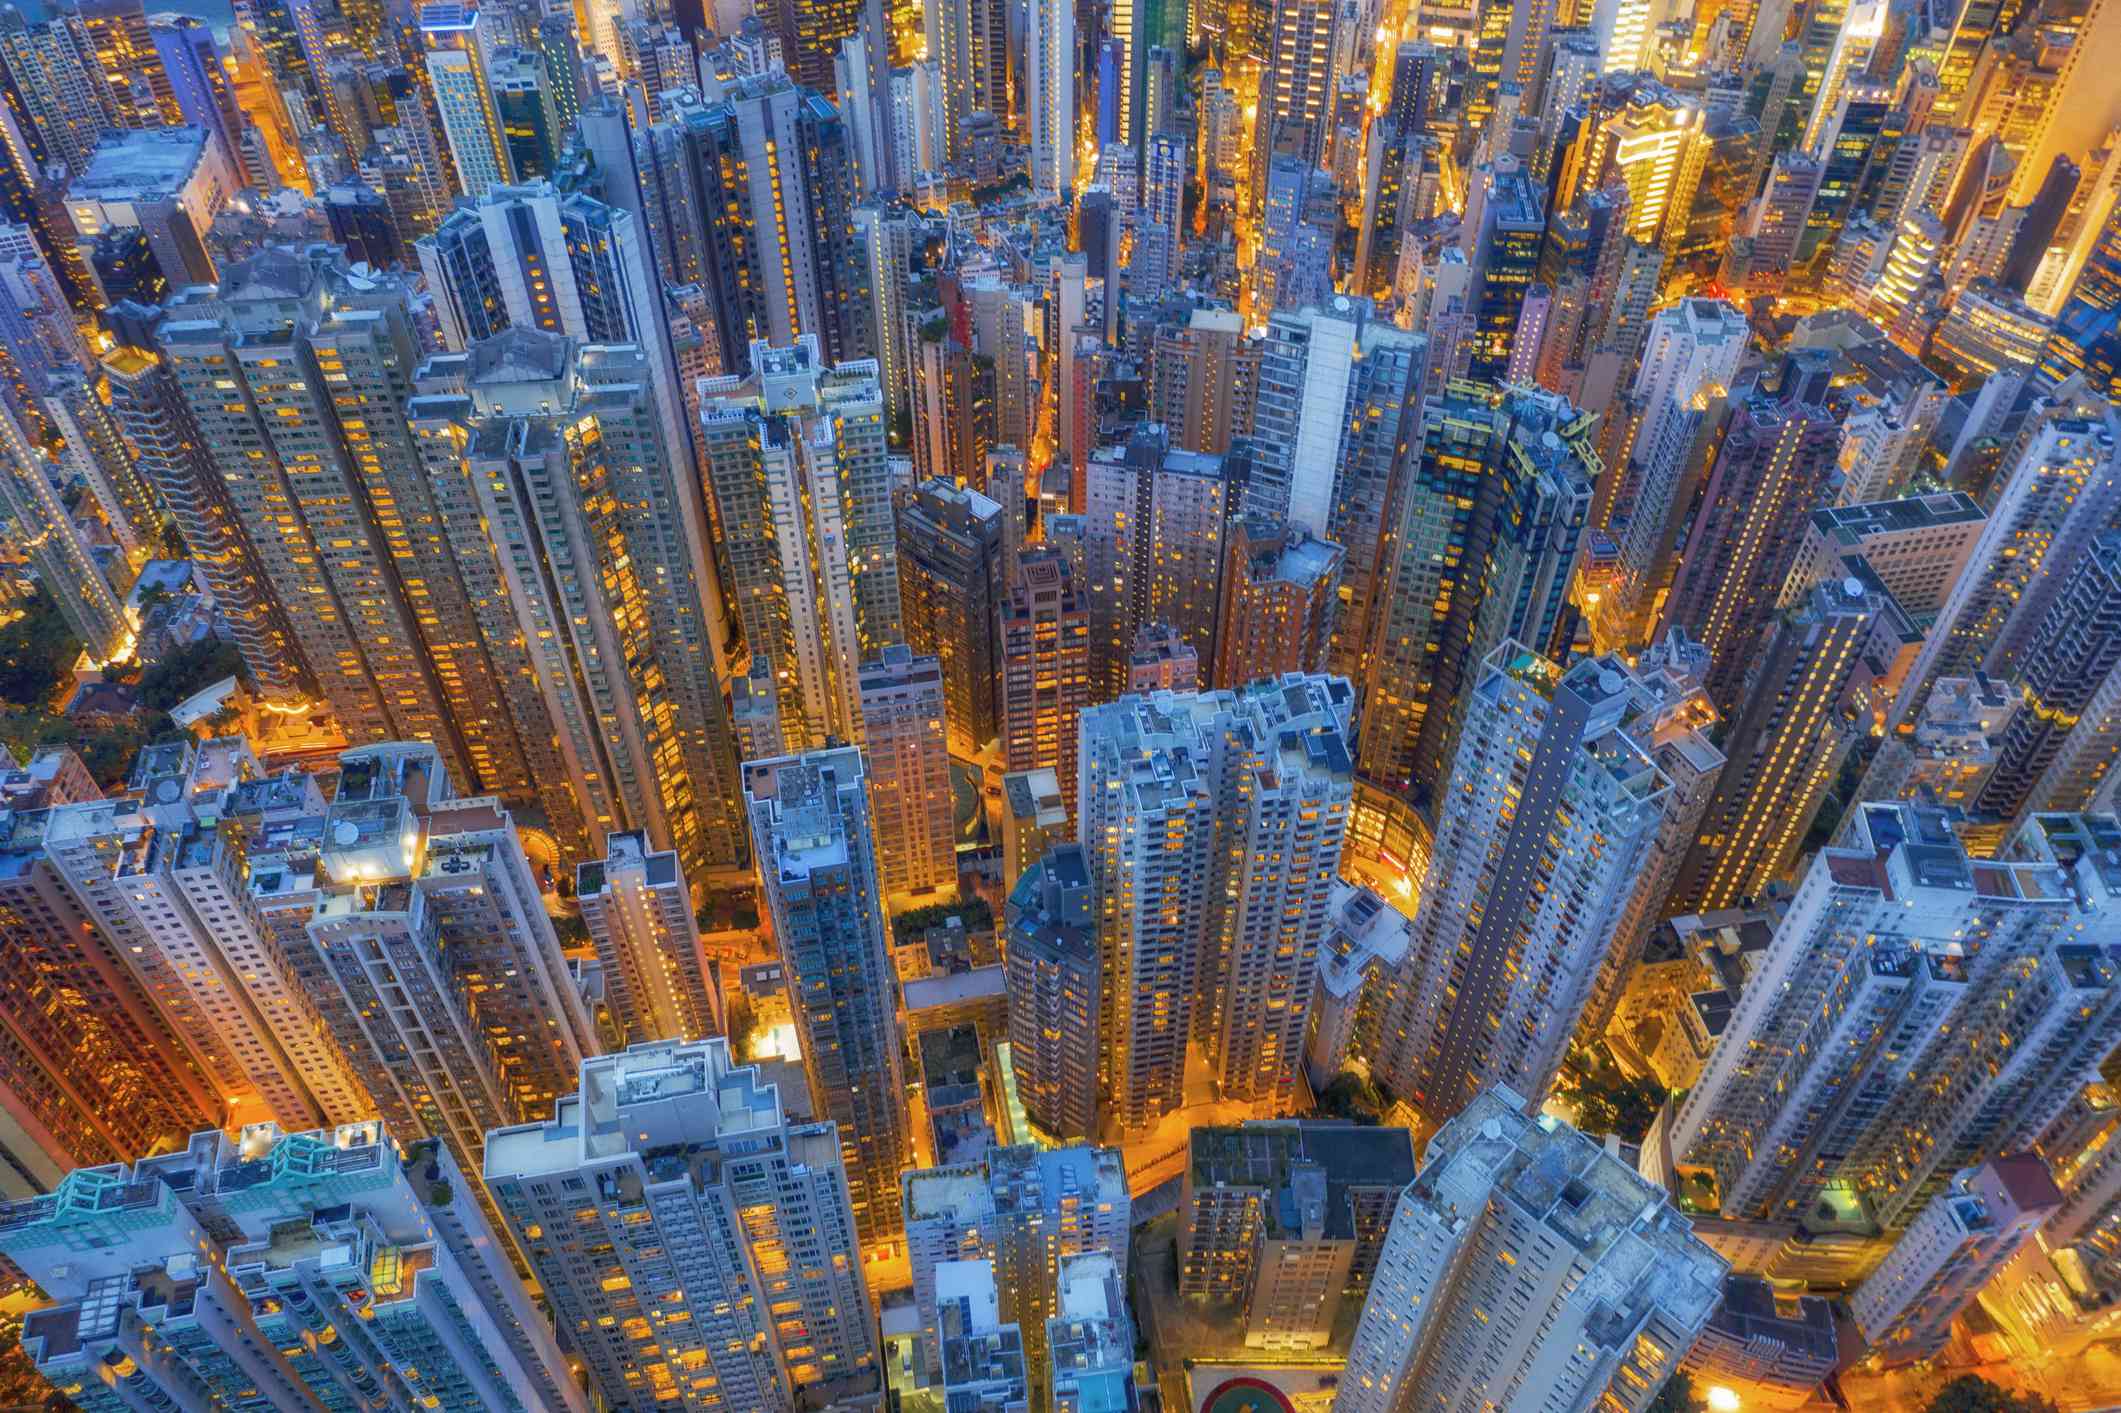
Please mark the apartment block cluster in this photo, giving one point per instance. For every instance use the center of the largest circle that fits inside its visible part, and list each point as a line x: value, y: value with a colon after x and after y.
x: 1055, y: 707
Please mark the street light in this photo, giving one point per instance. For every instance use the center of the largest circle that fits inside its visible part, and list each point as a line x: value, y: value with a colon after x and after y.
x: 1723, y: 1400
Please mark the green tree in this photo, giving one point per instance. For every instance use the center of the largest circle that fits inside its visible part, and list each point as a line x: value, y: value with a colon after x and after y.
x: 36, y: 651
x: 1353, y: 1096
x: 187, y: 670
x: 1970, y: 1393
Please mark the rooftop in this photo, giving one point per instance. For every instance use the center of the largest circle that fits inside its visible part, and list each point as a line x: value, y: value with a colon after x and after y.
x: 145, y: 164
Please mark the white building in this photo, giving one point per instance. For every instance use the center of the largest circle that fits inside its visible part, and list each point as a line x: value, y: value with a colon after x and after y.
x: 1949, y: 1253
x: 639, y: 914
x: 688, y: 1236
x: 1527, y: 1267
x: 1917, y: 1012
x: 1547, y: 832
x: 305, y: 1271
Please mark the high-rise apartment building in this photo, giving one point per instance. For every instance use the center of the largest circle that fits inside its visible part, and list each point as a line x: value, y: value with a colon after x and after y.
x: 750, y: 196
x: 1045, y: 668
x: 1202, y: 376
x: 1801, y: 704
x: 1157, y: 518
x: 1692, y: 351
x: 1941, y: 1262
x: 912, y: 808
x: 2065, y: 674
x: 2056, y: 490
x: 1280, y: 602
x: 1196, y: 942
x: 295, y: 377
x: 594, y: 609
x: 1464, y: 573
x: 639, y: 914
x: 301, y: 1270
x: 698, y: 1246
x: 816, y: 852
x: 1917, y: 1011
x: 1055, y: 990
x: 953, y: 584
x: 1549, y: 827
x: 1772, y: 470
x: 1050, y: 58
x: 800, y: 484
x: 96, y: 1069
x: 1449, y: 1319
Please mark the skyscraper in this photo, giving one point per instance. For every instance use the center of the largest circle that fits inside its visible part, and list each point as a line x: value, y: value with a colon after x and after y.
x: 295, y: 376
x: 685, y: 1165
x: 1543, y: 838
x: 1049, y: 54
x: 1571, y: 1217
x: 1045, y: 662
x: 1778, y: 452
x: 763, y: 223
x: 301, y: 1269
x: 911, y: 803
x: 1055, y: 988
x: 1917, y: 1011
x: 794, y: 455
x: 593, y: 610
x: 952, y: 548
x: 1483, y: 544
x: 816, y: 855
x: 1280, y: 602
x: 1169, y: 783
x: 639, y: 915
x: 1801, y: 705
x: 2068, y: 665
x: 1693, y: 349
x: 458, y: 49
x: 2056, y: 490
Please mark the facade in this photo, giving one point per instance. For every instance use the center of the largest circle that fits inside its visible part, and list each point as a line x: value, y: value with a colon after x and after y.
x: 816, y: 852
x: 910, y: 800
x: 1549, y: 828
x: 1056, y: 989
x: 724, y: 1236
x: 639, y: 914
x: 1595, y: 1250
x: 1941, y: 1262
